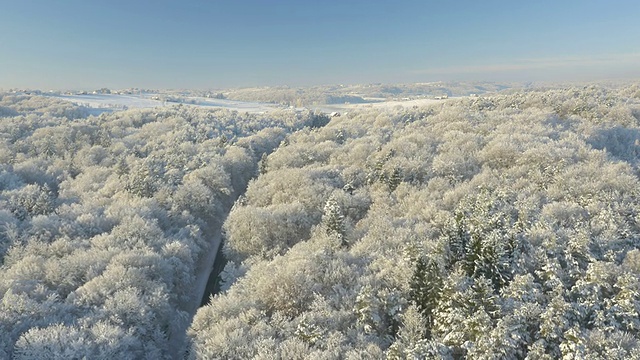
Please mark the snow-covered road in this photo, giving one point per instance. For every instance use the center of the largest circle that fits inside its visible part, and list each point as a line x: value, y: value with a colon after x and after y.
x: 203, y: 271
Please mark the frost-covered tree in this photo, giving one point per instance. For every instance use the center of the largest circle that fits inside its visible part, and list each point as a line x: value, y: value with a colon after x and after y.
x: 333, y: 220
x: 483, y: 227
x: 104, y: 222
x: 426, y: 289
x: 511, y: 234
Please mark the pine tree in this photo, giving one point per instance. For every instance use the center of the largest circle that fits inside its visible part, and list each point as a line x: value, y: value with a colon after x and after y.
x: 394, y: 179
x: 44, y: 203
x: 340, y: 138
x: 457, y: 238
x: 263, y: 165
x: 121, y: 167
x: 488, y: 259
x: 426, y: 286
x: 223, y: 140
x: 333, y: 220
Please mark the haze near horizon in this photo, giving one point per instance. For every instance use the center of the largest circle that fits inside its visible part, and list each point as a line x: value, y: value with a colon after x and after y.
x: 167, y: 44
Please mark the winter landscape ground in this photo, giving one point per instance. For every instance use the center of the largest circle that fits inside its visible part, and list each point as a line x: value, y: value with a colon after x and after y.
x: 302, y: 180
x: 498, y: 222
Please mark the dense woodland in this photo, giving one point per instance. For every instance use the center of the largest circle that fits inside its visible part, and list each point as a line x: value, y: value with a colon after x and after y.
x: 479, y: 227
x: 103, y: 220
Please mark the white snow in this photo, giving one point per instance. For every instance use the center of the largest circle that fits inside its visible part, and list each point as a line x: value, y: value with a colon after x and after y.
x: 98, y: 103
x: 112, y: 102
x: 203, y: 271
x: 376, y: 105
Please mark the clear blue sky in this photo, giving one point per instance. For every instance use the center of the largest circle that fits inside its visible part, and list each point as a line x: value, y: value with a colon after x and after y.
x: 234, y: 43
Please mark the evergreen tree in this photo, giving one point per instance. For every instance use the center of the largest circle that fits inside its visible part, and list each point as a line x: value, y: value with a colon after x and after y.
x: 121, y: 167
x: 263, y: 165
x: 394, y: 179
x: 333, y: 220
x: 426, y: 286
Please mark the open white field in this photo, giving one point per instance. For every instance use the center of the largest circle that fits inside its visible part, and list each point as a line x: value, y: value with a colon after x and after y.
x: 110, y: 102
x: 376, y: 105
x: 100, y: 103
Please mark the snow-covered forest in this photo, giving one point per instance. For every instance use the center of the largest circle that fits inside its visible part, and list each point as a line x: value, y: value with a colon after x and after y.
x: 503, y: 226
x: 105, y: 221
x: 483, y: 228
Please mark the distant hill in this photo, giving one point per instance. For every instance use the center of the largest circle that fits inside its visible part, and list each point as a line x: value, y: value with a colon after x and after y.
x: 339, y: 94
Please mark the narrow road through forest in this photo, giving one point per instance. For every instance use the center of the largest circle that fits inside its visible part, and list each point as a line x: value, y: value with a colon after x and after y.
x: 203, y: 271
x: 213, y: 232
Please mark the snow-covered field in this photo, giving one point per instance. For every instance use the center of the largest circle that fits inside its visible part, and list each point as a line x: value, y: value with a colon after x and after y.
x: 99, y: 103
x: 110, y: 102
x: 376, y: 105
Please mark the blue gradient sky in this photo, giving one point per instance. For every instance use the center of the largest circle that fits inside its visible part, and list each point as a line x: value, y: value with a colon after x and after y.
x: 216, y: 44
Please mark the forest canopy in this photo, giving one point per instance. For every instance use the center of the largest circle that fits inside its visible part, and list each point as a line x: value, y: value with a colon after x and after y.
x: 480, y: 227
x: 105, y: 221
x: 502, y: 226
